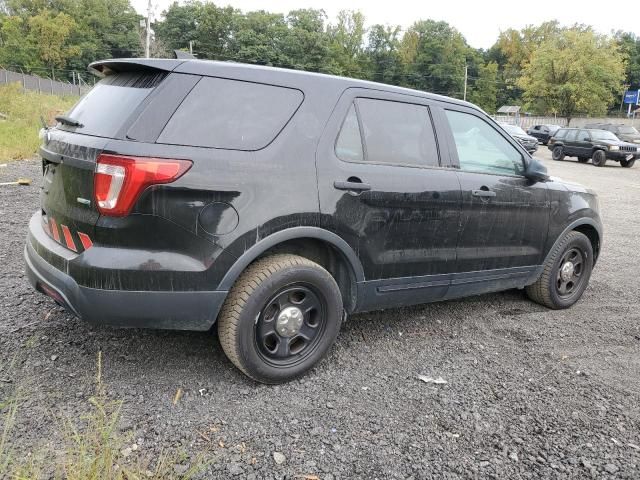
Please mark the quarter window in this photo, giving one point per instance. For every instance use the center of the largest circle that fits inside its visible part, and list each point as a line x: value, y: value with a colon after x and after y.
x: 349, y: 143
x: 481, y: 148
x: 231, y: 114
x: 394, y: 133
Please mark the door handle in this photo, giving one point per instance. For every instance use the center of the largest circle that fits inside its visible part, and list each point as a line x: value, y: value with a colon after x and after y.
x: 483, y: 193
x: 352, y: 186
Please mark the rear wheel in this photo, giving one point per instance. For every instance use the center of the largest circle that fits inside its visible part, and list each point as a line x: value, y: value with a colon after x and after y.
x: 557, y: 153
x: 599, y: 158
x: 627, y: 163
x: 583, y: 159
x: 280, y: 318
x: 566, y: 273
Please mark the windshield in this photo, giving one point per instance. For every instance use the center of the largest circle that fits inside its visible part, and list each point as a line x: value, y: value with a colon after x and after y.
x: 603, y: 135
x: 628, y: 130
x: 513, y: 129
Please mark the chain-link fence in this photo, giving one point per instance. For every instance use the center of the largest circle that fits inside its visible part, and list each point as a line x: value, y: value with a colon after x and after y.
x: 42, y: 85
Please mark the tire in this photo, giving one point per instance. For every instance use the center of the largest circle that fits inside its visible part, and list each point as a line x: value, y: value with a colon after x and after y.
x: 599, y: 158
x: 583, y: 159
x: 547, y: 290
x: 627, y: 163
x: 557, y: 153
x: 264, y: 292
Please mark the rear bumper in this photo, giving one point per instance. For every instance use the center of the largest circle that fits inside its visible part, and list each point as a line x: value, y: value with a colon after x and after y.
x: 174, y: 310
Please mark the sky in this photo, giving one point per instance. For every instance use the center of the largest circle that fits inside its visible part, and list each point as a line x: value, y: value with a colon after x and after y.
x: 480, y: 21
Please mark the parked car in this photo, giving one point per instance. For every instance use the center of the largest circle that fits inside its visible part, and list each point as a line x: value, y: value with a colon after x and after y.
x: 527, y: 141
x: 271, y: 203
x: 543, y: 132
x: 597, y: 145
x: 626, y: 133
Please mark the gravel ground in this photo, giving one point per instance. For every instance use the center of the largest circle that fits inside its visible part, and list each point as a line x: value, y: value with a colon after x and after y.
x: 531, y: 392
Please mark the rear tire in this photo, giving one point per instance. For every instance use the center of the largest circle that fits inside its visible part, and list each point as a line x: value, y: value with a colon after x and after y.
x: 627, y: 163
x: 557, y: 153
x: 599, y: 158
x: 280, y: 318
x: 555, y: 288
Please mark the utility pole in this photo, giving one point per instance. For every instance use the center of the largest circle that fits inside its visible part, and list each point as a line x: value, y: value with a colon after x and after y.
x: 466, y: 69
x: 148, y: 28
x: 191, y: 47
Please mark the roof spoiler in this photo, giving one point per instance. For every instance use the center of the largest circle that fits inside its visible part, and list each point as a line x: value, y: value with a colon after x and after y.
x: 104, y: 68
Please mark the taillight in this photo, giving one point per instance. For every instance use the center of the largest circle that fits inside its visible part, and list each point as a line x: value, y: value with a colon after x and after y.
x: 119, y: 180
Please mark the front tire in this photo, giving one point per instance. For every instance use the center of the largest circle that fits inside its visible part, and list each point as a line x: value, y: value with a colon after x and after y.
x: 557, y: 153
x: 566, y: 273
x: 280, y: 318
x: 599, y: 158
x: 627, y: 163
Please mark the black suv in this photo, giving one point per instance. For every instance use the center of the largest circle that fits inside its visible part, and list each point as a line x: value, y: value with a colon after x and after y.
x: 626, y: 133
x: 180, y: 194
x: 543, y: 132
x: 597, y: 145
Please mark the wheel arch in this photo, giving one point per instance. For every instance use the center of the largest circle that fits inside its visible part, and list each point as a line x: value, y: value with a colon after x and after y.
x: 587, y: 226
x: 319, y: 245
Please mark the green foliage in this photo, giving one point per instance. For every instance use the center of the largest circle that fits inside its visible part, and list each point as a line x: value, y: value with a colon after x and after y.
x: 19, y: 131
x: 573, y: 71
x: 484, y: 92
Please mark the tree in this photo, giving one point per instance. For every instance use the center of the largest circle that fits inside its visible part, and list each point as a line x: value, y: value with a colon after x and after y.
x: 383, y: 54
x: 306, y: 44
x: 347, y: 44
x: 435, y: 55
x: 484, y: 91
x: 50, y: 34
x: 576, y: 71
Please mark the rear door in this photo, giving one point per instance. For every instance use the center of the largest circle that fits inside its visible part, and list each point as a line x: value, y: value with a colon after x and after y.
x: 384, y: 189
x: 70, y: 150
x: 583, y: 144
x: 570, y: 139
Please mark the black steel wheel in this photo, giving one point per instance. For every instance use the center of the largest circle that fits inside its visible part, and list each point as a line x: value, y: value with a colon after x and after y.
x: 290, y: 325
x: 280, y: 318
x: 557, y: 153
x: 599, y: 158
x: 566, y: 273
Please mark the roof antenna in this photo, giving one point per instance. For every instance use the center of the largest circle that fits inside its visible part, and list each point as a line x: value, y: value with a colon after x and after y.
x: 181, y: 54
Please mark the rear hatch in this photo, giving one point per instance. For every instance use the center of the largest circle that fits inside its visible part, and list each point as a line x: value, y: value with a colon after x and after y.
x: 70, y: 150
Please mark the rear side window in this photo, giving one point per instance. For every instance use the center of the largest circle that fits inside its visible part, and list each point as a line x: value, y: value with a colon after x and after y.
x: 560, y: 133
x: 571, y: 135
x: 349, y: 143
x: 109, y: 104
x: 394, y: 133
x: 231, y: 114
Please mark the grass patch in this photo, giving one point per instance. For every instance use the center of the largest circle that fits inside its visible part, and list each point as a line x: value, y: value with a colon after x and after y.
x: 92, y: 448
x: 19, y: 130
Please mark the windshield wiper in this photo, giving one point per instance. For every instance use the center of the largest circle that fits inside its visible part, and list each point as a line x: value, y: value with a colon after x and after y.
x: 66, y: 120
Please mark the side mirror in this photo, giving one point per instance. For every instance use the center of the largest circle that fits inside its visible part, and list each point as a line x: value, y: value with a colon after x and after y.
x: 536, y: 171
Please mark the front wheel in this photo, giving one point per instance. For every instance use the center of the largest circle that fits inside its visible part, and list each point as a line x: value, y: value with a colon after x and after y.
x: 599, y: 158
x: 557, y: 153
x: 566, y: 273
x: 627, y: 163
x: 280, y: 318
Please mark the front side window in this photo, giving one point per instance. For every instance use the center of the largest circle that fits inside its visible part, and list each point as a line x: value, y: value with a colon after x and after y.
x: 583, y: 136
x: 481, y: 148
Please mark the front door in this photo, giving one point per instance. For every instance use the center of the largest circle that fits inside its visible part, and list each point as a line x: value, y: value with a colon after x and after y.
x: 384, y: 189
x: 504, y: 216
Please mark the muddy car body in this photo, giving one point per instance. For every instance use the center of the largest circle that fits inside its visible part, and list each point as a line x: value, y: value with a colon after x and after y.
x: 180, y: 193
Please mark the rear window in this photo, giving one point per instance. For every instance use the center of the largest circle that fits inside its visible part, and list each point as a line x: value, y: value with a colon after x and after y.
x: 106, y: 107
x: 231, y: 114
